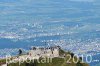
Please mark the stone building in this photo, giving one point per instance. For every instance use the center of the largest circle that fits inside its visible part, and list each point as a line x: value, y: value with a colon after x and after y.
x: 44, y: 51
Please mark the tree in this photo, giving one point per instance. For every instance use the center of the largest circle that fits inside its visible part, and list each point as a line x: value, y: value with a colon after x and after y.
x: 72, y: 54
x: 20, y: 51
x: 79, y: 64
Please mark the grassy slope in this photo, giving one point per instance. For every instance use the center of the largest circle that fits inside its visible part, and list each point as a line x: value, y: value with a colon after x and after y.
x: 62, y: 62
x: 55, y: 62
x: 3, y: 61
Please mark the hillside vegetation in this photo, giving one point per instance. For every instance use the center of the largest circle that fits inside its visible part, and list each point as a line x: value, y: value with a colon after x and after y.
x: 55, y: 61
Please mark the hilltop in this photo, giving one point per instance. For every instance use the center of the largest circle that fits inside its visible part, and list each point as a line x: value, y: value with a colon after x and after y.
x: 56, y: 61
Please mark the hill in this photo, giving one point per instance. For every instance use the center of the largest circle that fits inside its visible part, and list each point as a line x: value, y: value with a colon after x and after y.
x: 57, y: 61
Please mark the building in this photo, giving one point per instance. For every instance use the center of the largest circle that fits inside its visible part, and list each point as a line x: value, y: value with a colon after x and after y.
x: 44, y: 52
